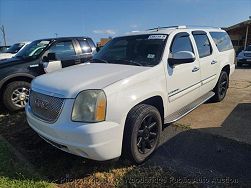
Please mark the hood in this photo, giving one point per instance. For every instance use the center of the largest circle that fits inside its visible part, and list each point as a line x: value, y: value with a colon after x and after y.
x: 13, y: 61
x: 6, y: 55
x: 68, y: 82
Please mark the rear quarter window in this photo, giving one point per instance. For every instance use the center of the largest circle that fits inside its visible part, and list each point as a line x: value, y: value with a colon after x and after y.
x: 222, y: 41
x: 91, y: 43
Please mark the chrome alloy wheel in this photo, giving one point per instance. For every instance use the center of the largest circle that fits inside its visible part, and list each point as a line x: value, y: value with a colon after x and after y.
x: 20, y: 97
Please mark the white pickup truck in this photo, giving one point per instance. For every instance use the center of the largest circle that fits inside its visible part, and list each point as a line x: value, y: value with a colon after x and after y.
x: 117, y: 104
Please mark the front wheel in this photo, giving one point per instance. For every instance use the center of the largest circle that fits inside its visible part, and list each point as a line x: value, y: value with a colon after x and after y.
x: 16, y: 95
x: 142, y: 133
x: 221, y: 87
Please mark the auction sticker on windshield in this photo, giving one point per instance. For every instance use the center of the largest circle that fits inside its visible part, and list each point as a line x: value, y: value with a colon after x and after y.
x: 157, y: 37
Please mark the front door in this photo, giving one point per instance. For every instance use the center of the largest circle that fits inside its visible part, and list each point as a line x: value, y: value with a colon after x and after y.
x: 183, y: 80
x: 65, y: 55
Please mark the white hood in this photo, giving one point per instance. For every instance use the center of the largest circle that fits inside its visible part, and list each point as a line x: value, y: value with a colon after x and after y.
x: 6, y: 55
x: 68, y: 82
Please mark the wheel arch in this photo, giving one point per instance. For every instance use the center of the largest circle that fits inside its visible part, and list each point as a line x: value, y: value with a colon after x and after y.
x: 15, y: 77
x: 156, y: 101
x: 226, y: 68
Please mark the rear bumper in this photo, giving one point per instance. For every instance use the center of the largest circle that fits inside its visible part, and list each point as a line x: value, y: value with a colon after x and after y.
x: 98, y: 141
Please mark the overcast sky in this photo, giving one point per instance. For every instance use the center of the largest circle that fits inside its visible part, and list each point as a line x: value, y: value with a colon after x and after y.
x: 27, y: 20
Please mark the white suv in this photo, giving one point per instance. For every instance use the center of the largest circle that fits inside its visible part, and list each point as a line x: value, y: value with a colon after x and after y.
x: 117, y: 104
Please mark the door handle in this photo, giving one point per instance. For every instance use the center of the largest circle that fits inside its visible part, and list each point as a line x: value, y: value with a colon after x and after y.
x: 213, y: 62
x: 195, y: 69
x: 77, y: 61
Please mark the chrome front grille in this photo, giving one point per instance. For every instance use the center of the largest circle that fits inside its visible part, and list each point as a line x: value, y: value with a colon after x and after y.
x: 247, y: 54
x: 45, y: 107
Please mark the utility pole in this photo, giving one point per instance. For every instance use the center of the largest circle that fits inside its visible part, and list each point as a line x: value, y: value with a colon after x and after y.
x: 56, y: 34
x: 4, y: 37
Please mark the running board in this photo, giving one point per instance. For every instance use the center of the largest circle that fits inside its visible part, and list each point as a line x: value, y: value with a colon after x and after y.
x: 186, y: 109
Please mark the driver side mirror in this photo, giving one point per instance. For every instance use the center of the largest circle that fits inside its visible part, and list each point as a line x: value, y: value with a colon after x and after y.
x: 50, y: 57
x: 181, y: 57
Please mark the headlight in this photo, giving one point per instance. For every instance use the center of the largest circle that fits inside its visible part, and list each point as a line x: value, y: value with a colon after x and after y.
x: 89, y: 106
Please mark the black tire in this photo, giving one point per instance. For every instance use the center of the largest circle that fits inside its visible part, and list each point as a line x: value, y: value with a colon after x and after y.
x: 221, y: 87
x: 239, y: 64
x: 141, y: 133
x: 10, y: 95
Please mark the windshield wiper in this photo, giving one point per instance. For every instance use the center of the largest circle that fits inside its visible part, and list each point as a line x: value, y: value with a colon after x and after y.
x: 19, y: 56
x: 101, y: 60
x: 130, y: 62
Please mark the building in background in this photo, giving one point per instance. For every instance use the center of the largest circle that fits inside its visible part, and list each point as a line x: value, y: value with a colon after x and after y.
x: 103, y: 41
x: 240, y: 34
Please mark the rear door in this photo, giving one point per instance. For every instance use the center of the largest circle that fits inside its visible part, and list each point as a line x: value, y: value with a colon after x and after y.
x: 208, y: 63
x: 65, y: 55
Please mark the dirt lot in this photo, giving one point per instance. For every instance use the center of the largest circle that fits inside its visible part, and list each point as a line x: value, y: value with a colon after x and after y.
x: 211, y: 145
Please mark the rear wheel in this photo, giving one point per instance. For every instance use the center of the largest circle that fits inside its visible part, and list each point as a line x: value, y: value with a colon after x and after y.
x: 221, y: 87
x: 16, y: 95
x: 142, y: 132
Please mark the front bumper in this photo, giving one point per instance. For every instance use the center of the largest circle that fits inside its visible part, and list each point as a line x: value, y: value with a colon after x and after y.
x: 244, y: 60
x: 98, y: 141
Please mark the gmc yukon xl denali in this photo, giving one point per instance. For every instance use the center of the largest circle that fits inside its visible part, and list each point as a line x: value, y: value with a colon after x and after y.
x: 39, y: 57
x: 118, y: 103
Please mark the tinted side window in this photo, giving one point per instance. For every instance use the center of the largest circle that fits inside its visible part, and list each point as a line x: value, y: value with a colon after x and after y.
x: 91, y: 43
x: 203, y: 45
x: 222, y: 41
x: 63, y: 50
x: 181, y: 43
x: 85, y: 46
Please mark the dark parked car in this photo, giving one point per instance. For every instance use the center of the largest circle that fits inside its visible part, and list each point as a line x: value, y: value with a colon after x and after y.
x: 3, y: 48
x: 39, y: 57
x: 244, y: 57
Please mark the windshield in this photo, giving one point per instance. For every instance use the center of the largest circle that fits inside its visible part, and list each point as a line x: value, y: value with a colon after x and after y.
x: 139, y: 50
x: 15, y: 48
x: 33, y: 49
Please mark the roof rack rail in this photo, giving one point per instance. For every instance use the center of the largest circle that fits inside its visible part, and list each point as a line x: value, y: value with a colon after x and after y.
x: 202, y: 26
x: 183, y: 27
x: 167, y: 27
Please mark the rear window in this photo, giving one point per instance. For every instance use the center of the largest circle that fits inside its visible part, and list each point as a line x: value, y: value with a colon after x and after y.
x: 222, y: 41
x: 91, y: 43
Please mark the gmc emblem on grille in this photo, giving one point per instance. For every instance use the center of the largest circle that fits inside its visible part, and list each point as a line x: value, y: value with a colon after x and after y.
x: 41, y: 104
